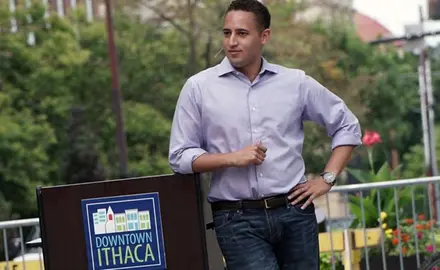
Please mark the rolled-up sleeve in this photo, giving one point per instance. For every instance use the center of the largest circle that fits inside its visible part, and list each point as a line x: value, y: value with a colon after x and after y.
x: 186, y: 131
x: 328, y: 110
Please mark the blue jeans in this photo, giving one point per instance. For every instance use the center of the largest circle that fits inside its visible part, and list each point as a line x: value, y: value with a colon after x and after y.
x: 283, y: 238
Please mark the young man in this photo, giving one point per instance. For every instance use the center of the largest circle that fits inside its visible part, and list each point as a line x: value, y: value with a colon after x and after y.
x: 242, y: 120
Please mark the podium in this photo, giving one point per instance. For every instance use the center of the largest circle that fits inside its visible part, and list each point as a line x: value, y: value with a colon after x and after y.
x: 154, y: 222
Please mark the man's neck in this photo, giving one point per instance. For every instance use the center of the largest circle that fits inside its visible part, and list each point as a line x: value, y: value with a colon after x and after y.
x: 251, y: 71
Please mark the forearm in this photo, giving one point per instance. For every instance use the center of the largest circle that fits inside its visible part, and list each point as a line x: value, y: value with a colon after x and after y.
x: 211, y: 162
x: 338, y: 159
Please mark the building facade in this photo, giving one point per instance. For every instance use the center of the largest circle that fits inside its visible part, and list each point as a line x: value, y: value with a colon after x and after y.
x: 93, y: 8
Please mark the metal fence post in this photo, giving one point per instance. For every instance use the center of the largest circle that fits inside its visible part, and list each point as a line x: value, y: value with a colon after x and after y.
x: 348, y: 261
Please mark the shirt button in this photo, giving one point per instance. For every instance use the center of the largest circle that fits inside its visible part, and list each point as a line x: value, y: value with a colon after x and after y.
x: 253, y: 109
x: 254, y: 131
x: 261, y: 175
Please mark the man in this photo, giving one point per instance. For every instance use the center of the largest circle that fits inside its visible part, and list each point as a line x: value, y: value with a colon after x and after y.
x: 242, y: 120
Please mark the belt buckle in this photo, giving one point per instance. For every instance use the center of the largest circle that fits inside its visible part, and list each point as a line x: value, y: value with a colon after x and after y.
x: 266, y: 206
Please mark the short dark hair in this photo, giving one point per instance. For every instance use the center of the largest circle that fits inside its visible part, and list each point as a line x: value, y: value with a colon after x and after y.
x: 260, y: 11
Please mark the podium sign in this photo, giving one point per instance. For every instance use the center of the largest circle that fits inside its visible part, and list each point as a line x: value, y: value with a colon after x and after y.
x: 124, y: 231
x: 141, y: 223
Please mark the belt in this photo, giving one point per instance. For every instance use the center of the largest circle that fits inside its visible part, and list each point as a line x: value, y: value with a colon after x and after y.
x: 265, y: 203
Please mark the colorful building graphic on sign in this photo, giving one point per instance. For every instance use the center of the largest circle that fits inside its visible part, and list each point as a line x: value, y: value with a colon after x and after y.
x: 106, y: 221
x: 124, y: 232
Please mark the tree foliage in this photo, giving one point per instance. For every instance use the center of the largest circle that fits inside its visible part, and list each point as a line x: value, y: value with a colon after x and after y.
x: 56, y: 120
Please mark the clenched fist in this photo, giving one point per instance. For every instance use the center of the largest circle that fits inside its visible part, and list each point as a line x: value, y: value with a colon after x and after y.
x: 252, y: 154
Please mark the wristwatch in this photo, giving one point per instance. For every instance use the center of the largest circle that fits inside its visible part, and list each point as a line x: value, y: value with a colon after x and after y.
x: 329, y: 177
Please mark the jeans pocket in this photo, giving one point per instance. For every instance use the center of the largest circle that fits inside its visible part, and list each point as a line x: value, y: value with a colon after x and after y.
x: 223, y: 218
x: 308, y: 211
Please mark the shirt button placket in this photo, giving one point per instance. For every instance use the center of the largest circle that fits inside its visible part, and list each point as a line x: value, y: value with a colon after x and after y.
x: 253, y: 119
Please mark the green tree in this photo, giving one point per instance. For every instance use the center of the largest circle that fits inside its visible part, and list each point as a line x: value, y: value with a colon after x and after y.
x: 414, y: 159
x: 25, y: 141
x: 57, y: 118
x: 56, y: 115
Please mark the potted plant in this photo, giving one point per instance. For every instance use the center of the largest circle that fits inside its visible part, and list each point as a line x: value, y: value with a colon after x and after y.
x: 327, y: 261
x: 369, y: 199
x: 410, y: 238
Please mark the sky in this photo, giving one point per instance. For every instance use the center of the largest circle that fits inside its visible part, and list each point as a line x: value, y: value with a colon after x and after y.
x: 395, y: 14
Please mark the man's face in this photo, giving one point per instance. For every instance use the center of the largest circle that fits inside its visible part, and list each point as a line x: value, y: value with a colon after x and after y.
x: 243, y: 38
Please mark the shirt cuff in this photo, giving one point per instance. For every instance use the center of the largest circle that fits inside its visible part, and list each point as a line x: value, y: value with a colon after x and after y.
x: 188, y: 157
x: 346, y: 138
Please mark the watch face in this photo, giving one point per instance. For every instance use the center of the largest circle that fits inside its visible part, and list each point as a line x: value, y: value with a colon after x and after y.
x: 329, y: 177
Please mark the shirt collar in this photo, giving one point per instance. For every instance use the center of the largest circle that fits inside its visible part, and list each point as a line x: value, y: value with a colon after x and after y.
x: 225, y: 67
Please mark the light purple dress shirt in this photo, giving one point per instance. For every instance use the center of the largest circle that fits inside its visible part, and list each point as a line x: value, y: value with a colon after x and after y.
x: 219, y: 110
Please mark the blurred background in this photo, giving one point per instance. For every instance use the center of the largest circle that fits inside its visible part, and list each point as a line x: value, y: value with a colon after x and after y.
x: 88, y: 88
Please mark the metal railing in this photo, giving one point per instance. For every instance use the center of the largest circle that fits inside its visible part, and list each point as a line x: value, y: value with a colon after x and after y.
x: 389, y: 224
x: 23, y: 257
x: 380, y: 220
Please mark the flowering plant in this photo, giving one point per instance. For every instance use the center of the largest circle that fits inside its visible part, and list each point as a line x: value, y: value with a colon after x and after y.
x: 369, y: 140
x: 327, y: 261
x: 412, y: 235
x: 370, y: 199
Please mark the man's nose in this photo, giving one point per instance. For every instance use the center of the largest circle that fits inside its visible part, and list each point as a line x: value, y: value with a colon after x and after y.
x: 233, y: 40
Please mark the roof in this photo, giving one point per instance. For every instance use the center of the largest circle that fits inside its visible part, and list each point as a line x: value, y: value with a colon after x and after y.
x: 370, y: 29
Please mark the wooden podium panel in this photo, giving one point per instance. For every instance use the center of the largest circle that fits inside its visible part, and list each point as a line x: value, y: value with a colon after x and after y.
x: 177, y: 217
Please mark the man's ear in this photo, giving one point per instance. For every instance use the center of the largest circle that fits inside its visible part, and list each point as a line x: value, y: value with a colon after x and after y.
x: 265, y: 36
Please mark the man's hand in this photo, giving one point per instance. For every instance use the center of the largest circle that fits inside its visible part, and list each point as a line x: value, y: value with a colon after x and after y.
x: 311, y: 189
x: 252, y: 154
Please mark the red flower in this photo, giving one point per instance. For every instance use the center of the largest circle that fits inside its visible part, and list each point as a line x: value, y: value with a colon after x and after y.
x: 404, y: 250
x: 430, y: 248
x: 371, y: 138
